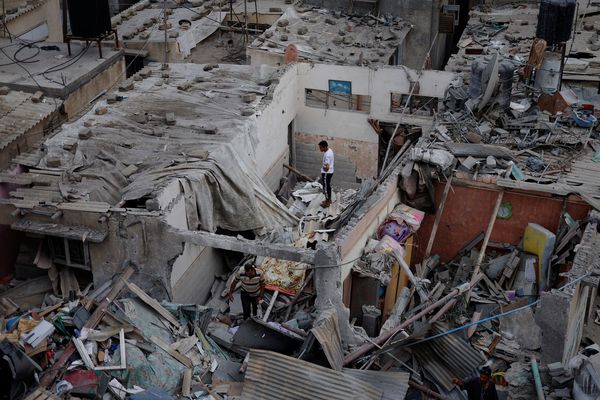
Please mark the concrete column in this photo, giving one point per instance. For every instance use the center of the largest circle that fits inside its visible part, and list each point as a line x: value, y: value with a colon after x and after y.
x: 328, y: 286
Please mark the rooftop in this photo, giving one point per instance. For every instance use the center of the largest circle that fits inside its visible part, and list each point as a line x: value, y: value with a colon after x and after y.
x: 509, y: 30
x: 331, y: 37
x: 141, y: 26
x: 49, y: 68
x: 164, y: 126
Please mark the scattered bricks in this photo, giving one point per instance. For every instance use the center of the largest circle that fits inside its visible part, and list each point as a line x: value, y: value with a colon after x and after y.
x: 112, y: 98
x: 161, y: 27
x: 556, y: 369
x: 208, y: 131
x: 330, y: 21
x: 165, y: 74
x: 302, y: 30
x: 173, y: 34
x: 101, y: 110
x: 275, y: 9
x: 272, y: 44
x: 85, y: 134
x: 53, y: 162
x: 138, y: 78
x: 37, y: 96
x: 144, y: 35
x: 209, y: 67
x: 70, y: 145
x: 380, y: 53
x: 4, y: 90
x: 246, y: 112
x: 283, y: 22
x: 248, y: 97
x: 337, y: 40
x: 126, y: 86
x: 283, y: 38
x: 170, y: 118
x: 184, y: 86
x: 268, y: 34
x: 200, y: 154
x: 152, y: 205
x: 260, y: 39
x: 145, y: 72
x: 348, y: 40
x: 130, y: 170
x: 128, y: 36
x: 89, y: 123
x: 140, y: 118
x: 342, y: 32
x: 148, y: 23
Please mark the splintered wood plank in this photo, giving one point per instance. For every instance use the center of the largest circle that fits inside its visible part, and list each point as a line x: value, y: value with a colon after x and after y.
x: 153, y: 303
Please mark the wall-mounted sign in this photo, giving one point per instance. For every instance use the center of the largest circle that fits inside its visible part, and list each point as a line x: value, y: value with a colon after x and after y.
x: 340, y: 87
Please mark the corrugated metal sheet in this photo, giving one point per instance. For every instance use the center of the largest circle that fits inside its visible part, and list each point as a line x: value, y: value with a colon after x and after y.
x: 393, y: 384
x: 448, y: 357
x: 327, y: 332
x: 277, y: 377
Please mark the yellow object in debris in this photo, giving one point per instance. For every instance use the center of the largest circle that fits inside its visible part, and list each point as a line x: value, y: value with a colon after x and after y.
x: 539, y: 241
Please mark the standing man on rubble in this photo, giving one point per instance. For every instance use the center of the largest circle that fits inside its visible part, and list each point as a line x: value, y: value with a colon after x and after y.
x: 326, y: 172
x: 252, y: 288
x: 479, y: 388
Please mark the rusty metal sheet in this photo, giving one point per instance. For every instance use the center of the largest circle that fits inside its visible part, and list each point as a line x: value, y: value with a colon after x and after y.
x: 277, y: 377
x: 393, y: 383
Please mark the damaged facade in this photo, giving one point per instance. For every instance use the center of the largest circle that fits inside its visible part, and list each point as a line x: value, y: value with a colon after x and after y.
x: 462, y: 237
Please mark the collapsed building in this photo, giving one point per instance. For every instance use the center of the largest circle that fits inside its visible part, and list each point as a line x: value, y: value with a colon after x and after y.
x: 464, y: 231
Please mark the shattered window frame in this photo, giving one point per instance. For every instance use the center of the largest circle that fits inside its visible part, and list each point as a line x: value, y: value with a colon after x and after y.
x: 419, y: 105
x: 69, y: 252
x: 324, y: 99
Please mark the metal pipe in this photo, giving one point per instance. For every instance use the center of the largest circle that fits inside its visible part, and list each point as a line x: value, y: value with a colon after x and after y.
x: 538, y: 380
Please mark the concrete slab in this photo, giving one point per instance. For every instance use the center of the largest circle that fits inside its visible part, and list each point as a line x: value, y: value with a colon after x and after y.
x: 50, y: 68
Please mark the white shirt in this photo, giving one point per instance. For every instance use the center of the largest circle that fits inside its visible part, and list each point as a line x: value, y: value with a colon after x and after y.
x: 327, y: 159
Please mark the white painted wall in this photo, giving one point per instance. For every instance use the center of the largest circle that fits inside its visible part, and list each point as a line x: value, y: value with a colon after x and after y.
x: 377, y: 83
x: 272, y: 123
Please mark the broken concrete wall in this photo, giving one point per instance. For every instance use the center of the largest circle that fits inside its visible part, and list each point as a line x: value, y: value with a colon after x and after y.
x: 354, y: 236
x: 105, y: 80
x: 561, y: 317
x: 272, y: 149
x: 424, y: 16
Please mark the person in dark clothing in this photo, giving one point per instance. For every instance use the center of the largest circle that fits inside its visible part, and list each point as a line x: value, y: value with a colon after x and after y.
x: 479, y: 388
x: 252, y: 288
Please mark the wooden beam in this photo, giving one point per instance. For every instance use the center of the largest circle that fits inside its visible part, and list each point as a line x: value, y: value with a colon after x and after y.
x: 486, y: 239
x: 224, y: 242
x: 173, y: 353
x: 438, y: 217
x: 154, y: 304
x: 92, y: 322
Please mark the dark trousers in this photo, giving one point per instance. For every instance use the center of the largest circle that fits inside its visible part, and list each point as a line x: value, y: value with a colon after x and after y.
x: 247, y: 303
x: 326, y: 182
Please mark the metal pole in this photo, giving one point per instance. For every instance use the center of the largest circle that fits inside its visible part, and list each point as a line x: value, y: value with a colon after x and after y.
x: 165, y: 21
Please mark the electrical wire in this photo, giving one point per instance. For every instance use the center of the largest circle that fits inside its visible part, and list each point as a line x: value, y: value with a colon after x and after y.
x: 491, y: 318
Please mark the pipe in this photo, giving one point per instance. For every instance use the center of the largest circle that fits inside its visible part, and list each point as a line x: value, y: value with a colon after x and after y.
x: 538, y: 380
